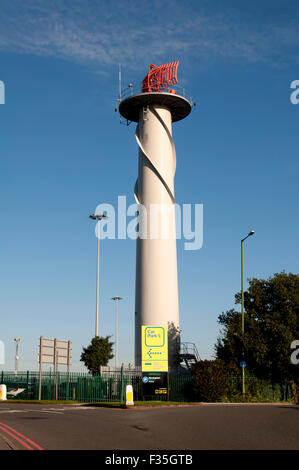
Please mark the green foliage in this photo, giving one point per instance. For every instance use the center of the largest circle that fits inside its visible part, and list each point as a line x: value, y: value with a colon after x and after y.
x: 97, y: 354
x: 210, y: 381
x: 271, y: 324
x: 215, y: 381
x: 257, y: 390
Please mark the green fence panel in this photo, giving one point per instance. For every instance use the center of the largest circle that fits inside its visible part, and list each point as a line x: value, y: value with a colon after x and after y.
x: 110, y: 387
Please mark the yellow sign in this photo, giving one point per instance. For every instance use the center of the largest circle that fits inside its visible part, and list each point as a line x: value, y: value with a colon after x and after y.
x: 154, y: 349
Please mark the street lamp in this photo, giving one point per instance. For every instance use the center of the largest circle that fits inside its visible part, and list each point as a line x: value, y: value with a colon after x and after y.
x: 242, y: 293
x: 17, y: 340
x: 98, y: 218
x: 116, y: 299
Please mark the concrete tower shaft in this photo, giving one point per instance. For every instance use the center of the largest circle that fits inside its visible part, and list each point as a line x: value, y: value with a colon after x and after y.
x: 156, y: 299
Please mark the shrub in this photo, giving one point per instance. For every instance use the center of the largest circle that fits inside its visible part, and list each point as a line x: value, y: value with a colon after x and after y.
x: 210, y: 381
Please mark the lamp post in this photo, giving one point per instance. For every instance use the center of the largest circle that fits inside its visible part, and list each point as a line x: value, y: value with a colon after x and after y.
x: 116, y: 299
x: 242, y: 293
x: 17, y: 340
x: 98, y: 218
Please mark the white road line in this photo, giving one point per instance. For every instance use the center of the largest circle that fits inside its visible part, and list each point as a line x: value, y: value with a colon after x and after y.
x: 83, y: 408
x: 31, y: 411
x: 14, y: 411
x: 49, y: 411
x: 54, y: 409
x: 43, y: 411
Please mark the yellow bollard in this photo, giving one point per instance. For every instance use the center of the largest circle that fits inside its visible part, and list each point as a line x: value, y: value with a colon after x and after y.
x: 129, y: 395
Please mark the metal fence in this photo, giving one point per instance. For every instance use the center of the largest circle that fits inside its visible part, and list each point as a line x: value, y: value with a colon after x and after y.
x: 110, y: 386
x: 73, y: 386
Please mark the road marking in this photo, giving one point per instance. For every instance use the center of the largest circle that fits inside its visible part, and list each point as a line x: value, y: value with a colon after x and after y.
x: 54, y: 409
x: 84, y: 408
x: 31, y: 411
x: 48, y: 411
x: 14, y: 411
x: 16, y: 438
x: 9, y: 430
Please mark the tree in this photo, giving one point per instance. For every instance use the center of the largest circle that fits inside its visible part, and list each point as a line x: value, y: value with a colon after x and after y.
x: 271, y: 324
x: 97, y: 354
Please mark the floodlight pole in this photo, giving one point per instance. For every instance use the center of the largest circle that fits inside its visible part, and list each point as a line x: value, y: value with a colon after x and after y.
x: 242, y: 310
x: 98, y: 280
x: 98, y: 218
x: 116, y: 299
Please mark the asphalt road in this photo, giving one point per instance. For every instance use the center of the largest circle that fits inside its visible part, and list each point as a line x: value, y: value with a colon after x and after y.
x: 208, y: 427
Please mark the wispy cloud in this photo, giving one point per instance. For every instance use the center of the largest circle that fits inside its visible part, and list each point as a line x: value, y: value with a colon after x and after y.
x: 103, y: 33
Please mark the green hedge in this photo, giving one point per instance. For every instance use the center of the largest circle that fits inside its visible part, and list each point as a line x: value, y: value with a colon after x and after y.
x: 214, y: 381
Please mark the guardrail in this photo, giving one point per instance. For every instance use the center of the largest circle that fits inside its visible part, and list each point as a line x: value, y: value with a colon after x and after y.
x: 135, y: 89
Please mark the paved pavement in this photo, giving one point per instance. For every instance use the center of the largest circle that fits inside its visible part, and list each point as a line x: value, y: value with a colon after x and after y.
x: 209, y: 427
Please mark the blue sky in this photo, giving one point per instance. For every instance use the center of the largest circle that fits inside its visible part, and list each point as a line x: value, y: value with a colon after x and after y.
x: 63, y: 152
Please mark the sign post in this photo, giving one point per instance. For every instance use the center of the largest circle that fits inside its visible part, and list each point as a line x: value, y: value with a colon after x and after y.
x: 53, y: 351
x: 154, y: 341
x: 56, y: 372
x: 40, y: 368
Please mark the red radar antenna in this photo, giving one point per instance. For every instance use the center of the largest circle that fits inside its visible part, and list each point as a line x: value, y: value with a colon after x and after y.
x: 161, y: 77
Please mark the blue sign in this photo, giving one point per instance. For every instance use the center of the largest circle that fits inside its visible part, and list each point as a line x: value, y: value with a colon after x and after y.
x: 243, y: 364
x: 145, y: 380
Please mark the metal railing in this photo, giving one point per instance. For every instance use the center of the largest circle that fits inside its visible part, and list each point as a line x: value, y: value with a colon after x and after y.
x: 189, y: 349
x: 135, y: 89
x: 82, y: 387
x: 110, y: 387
